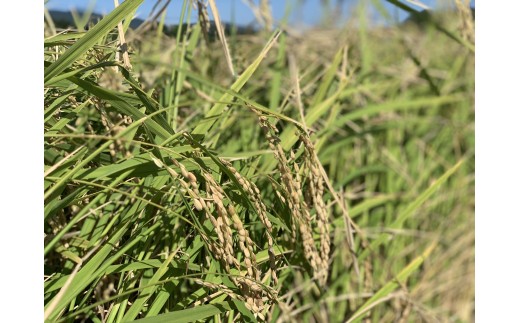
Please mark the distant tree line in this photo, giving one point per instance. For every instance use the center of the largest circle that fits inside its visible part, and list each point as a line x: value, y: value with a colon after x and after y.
x: 65, y: 20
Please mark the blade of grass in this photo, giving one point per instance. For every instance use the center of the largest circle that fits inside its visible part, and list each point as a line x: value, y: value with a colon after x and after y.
x: 399, y: 105
x: 146, y: 293
x: 205, y: 125
x: 82, y: 212
x: 84, y: 276
x: 189, y: 315
x: 448, y: 33
x: 222, y: 36
x: 412, y: 208
x: 90, y: 38
x: 274, y: 96
x: 63, y: 180
x: 399, y: 280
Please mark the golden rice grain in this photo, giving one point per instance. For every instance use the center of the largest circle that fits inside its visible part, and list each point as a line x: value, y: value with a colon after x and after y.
x: 291, y: 185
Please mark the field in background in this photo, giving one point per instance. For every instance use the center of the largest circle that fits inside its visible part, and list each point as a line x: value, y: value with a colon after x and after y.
x: 317, y: 176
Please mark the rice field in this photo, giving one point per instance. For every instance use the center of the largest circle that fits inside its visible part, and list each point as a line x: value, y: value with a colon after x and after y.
x: 324, y: 175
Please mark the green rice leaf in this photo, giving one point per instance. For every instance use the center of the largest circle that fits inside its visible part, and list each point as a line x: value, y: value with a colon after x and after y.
x: 90, y: 38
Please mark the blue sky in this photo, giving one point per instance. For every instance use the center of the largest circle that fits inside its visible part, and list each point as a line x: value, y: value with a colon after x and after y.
x: 308, y: 12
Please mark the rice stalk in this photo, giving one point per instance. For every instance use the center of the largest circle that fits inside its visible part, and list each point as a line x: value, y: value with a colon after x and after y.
x: 122, y: 43
x: 292, y: 191
x: 467, y: 26
x: 222, y: 36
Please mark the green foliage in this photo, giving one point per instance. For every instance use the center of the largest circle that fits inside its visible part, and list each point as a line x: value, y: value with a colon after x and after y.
x: 151, y: 172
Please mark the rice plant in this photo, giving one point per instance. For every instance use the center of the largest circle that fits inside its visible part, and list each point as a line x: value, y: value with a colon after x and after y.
x: 277, y: 176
